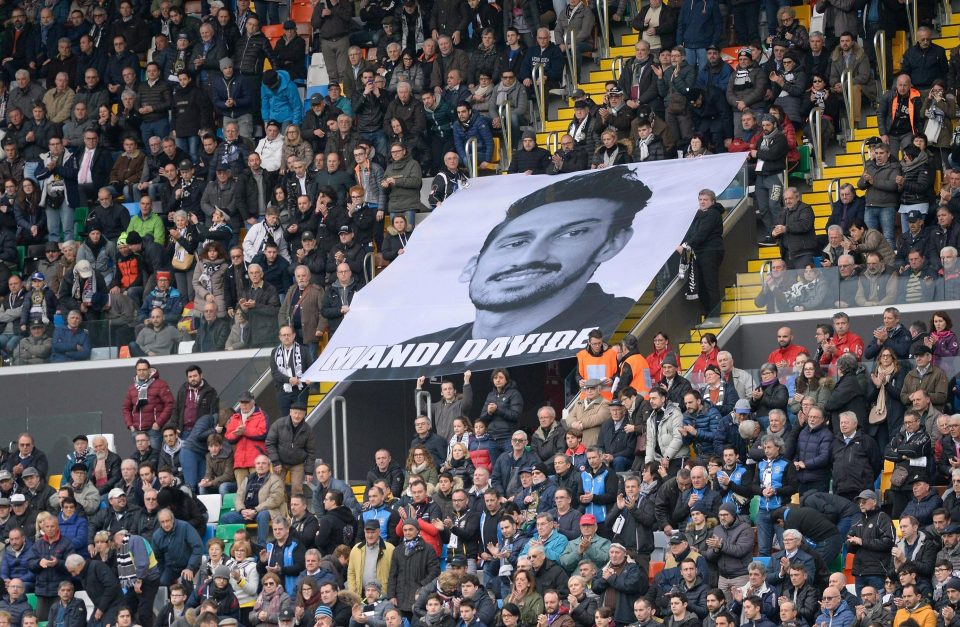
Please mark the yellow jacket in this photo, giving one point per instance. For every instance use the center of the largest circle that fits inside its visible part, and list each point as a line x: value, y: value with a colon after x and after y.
x: 356, y: 564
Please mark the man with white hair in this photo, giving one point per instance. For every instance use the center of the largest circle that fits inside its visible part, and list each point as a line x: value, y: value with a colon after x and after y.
x: 741, y: 379
x: 507, y: 467
x: 102, y: 586
x: 834, y: 248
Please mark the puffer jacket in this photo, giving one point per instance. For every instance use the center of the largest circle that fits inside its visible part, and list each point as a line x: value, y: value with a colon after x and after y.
x: 157, y: 409
x: 48, y: 579
x: 667, y: 436
x: 208, y: 280
x: 404, y: 194
x: 509, y: 402
x: 249, y: 444
x: 477, y: 127
x: 282, y: 103
x: 249, y: 53
x: 289, y: 446
x: 639, y: 522
x: 735, y: 552
x: 813, y: 448
x: 748, y: 85
x: 872, y: 557
x: 883, y: 191
x: 918, y: 446
x: 706, y: 423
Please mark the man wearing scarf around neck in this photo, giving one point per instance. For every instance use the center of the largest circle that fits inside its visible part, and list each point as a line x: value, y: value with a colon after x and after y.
x: 139, y: 575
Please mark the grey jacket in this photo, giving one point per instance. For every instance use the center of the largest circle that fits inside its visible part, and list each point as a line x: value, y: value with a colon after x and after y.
x: 158, y: 342
x: 883, y: 191
x: 667, y: 436
x: 404, y: 194
x: 736, y: 550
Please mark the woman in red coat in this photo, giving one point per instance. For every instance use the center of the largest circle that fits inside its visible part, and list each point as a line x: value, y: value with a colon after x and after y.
x: 661, y: 348
x: 708, y: 357
x: 247, y: 431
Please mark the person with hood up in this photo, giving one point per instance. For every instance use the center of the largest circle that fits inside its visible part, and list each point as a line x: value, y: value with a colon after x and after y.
x: 770, y: 155
x: 704, y: 239
x: 279, y: 98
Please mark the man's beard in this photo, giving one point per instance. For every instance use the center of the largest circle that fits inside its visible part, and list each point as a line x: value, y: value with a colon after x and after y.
x: 499, y: 304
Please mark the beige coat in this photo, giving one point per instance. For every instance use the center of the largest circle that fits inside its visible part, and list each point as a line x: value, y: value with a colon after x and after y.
x: 592, y: 414
x: 271, y: 496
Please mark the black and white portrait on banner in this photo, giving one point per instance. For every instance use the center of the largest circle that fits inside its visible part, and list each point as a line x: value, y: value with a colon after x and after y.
x: 519, y: 269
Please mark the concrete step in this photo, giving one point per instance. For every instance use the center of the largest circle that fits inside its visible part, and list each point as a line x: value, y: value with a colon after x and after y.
x: 821, y: 185
x: 842, y: 171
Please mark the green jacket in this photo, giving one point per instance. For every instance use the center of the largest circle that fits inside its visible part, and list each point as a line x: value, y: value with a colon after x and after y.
x: 152, y: 226
x: 598, y: 553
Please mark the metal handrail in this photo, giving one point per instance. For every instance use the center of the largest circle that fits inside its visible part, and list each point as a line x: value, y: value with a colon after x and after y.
x: 880, y: 48
x: 570, y: 39
x: 616, y: 68
x: 815, y: 121
x: 834, y: 185
x: 369, y: 267
x: 506, y: 127
x: 846, y: 83
x: 912, y: 25
x: 947, y: 11
x: 553, y: 142
x: 603, y: 8
x: 338, y: 411
x: 429, y: 404
x: 540, y: 93
x: 472, y: 163
x: 863, y: 152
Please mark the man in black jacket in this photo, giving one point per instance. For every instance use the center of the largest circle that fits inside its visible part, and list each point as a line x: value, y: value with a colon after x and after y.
x: 771, y: 152
x: 568, y: 158
x: 290, y: 443
x: 530, y: 159
x: 101, y: 584
x: 195, y: 398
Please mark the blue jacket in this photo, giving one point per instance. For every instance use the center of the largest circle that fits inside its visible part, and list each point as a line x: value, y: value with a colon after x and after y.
x: 923, y: 510
x: 75, y: 530
x: 700, y: 24
x: 842, y: 617
x: 283, y: 103
x: 16, y: 610
x: 65, y: 344
x: 552, y: 548
x: 169, y: 547
x: 15, y: 566
x: 48, y: 579
x: 814, y: 450
x: 552, y: 58
x: 220, y: 87
x: 783, y: 479
x: 478, y: 127
x: 171, y: 304
x: 707, y: 422
x: 506, y: 470
x: 89, y: 461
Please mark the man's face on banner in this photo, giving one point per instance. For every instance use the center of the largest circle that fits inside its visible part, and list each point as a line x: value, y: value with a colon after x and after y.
x: 543, y: 252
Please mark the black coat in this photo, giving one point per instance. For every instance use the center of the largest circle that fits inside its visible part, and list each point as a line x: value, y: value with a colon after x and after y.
x: 706, y: 231
x: 855, y: 465
x: 411, y: 569
x: 848, y: 395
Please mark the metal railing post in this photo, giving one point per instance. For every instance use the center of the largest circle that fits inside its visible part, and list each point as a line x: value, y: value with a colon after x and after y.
x: 572, y: 60
x: 540, y: 94
x: 553, y: 141
x: 863, y: 152
x: 911, y: 7
x: 472, y: 163
x: 846, y: 82
x: 880, y: 48
x: 603, y: 8
x: 833, y: 190
x: 419, y: 398
x: 815, y: 121
x: 506, y: 126
x: 338, y: 413
x: 616, y: 68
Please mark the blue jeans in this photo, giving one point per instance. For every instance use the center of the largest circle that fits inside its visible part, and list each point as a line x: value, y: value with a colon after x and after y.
x: 622, y: 464
x: 191, y: 145
x: 160, y: 128
x: 696, y: 57
x: 227, y: 487
x: 194, y: 466
x: 263, y: 523
x: 8, y: 342
x: 771, y: 7
x: 883, y: 219
x: 765, y: 532
x: 377, y: 137
x: 60, y: 224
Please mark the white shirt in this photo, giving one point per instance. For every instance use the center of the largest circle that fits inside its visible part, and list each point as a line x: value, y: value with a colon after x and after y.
x: 270, y: 152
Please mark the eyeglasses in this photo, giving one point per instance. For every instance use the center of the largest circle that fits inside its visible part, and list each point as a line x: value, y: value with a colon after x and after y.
x: 268, y: 583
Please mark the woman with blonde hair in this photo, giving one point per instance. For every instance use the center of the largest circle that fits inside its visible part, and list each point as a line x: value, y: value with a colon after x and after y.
x: 295, y: 146
x: 420, y: 463
x: 244, y: 577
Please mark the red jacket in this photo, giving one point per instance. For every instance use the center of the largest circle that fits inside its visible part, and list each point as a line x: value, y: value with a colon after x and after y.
x: 157, y: 407
x: 786, y: 355
x: 654, y: 360
x: 704, y: 360
x: 429, y: 533
x: 849, y: 343
x: 249, y: 444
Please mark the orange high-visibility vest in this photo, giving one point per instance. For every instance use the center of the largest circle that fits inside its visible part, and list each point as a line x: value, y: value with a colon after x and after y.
x: 602, y: 366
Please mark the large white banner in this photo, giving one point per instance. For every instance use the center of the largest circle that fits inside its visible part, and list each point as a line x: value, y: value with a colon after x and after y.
x: 519, y: 269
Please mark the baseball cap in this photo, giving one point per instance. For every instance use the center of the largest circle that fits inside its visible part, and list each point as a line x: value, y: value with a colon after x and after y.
x: 4, y: 502
x: 677, y: 538
x: 921, y: 349
x: 185, y: 165
x: 316, y: 99
x: 588, y: 519
x: 914, y: 216
x: 84, y: 269
x: 458, y: 560
x: 30, y: 472
x: 6, y: 475
x: 17, y: 499
x: 867, y: 494
x: 116, y: 492
x: 38, y: 276
x: 372, y: 523
x: 75, y: 467
x: 308, y: 236
x: 344, y: 229
x: 527, y: 469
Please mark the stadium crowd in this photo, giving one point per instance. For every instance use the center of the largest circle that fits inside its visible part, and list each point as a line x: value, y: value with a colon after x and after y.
x: 160, y: 186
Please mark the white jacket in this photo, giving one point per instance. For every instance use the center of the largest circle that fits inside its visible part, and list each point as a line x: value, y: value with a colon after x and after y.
x: 256, y: 238
x: 270, y: 152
